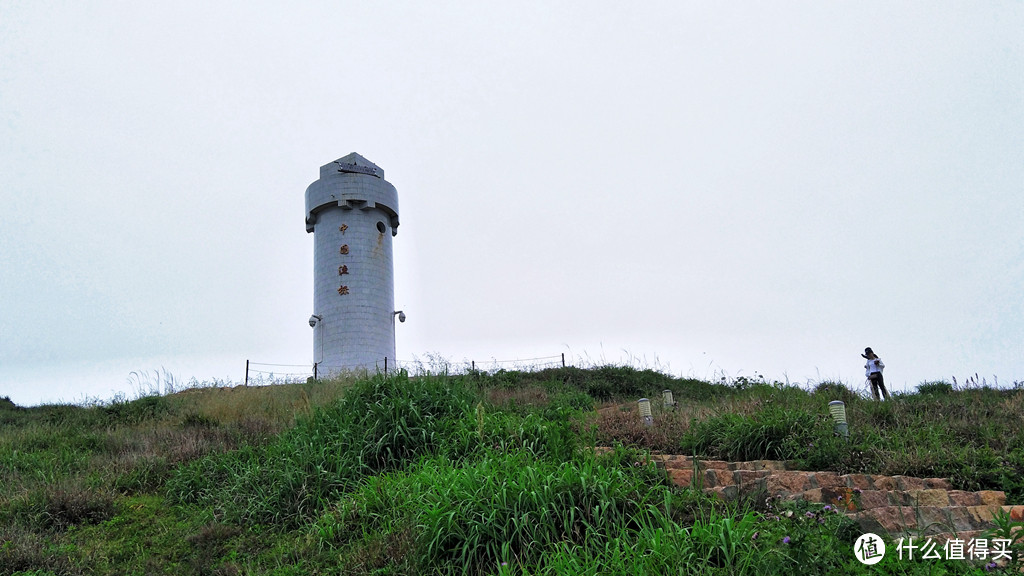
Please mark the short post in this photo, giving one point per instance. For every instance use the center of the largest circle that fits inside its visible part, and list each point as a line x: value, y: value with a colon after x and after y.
x: 838, y: 410
x: 563, y: 359
x: 314, y: 370
x: 472, y: 364
x: 666, y: 395
x: 247, y: 372
x: 385, y: 365
x: 645, y: 411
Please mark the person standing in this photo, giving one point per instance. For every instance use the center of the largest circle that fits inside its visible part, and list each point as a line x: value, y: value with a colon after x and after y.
x: 873, y: 368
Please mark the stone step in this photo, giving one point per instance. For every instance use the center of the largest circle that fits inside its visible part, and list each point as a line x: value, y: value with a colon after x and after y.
x: 968, y: 535
x: 964, y: 535
x: 679, y: 461
x: 923, y: 521
x: 853, y: 500
x: 849, y: 500
x: 900, y: 506
x: 785, y: 482
x: 1016, y: 512
x: 840, y: 491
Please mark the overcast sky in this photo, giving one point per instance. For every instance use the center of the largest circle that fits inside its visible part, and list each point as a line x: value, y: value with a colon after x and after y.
x: 706, y: 188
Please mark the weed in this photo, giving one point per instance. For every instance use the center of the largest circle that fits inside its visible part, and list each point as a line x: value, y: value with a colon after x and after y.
x: 55, y: 508
x: 1012, y: 532
x: 27, y: 552
x: 622, y: 424
x: 209, y: 544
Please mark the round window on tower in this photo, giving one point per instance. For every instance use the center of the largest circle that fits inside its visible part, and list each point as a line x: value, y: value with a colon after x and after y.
x: 380, y: 227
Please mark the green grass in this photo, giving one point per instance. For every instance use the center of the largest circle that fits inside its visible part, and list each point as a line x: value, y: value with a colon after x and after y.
x: 470, y: 475
x: 502, y: 507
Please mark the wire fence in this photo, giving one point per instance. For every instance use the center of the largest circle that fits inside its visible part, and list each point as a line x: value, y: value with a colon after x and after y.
x: 264, y: 372
x: 261, y: 373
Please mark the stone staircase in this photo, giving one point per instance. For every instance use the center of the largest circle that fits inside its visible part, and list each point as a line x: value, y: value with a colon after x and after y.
x: 895, y: 505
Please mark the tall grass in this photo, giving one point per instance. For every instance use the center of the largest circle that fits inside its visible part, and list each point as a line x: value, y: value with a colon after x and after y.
x: 470, y: 474
x: 381, y: 424
x: 768, y: 434
x: 502, y: 508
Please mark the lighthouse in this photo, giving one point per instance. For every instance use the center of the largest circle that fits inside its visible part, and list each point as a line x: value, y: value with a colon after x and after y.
x: 352, y: 212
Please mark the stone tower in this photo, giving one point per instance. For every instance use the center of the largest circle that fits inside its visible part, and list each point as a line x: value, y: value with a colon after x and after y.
x: 353, y: 215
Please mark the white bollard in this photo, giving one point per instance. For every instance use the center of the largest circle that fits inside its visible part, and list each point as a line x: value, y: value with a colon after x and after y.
x: 666, y: 395
x: 645, y: 411
x: 838, y: 410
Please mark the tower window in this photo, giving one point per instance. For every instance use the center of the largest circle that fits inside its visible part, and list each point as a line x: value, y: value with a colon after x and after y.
x: 380, y: 227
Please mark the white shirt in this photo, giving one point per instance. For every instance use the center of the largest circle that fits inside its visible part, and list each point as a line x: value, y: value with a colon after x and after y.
x: 873, y: 365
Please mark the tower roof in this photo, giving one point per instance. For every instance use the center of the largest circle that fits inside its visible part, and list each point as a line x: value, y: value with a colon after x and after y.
x: 353, y: 162
x: 351, y: 182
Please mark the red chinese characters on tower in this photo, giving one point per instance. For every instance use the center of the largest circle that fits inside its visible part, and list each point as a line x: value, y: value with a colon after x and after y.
x: 343, y: 269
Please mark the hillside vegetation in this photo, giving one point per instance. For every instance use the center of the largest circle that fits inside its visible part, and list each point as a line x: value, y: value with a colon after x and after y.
x: 471, y: 474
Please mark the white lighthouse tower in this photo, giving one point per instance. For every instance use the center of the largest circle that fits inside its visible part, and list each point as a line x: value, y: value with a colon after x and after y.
x: 353, y: 214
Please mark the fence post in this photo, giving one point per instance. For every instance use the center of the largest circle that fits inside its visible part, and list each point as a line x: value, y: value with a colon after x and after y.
x: 247, y: 372
x: 314, y: 371
x: 563, y: 359
x: 473, y: 363
x: 385, y: 365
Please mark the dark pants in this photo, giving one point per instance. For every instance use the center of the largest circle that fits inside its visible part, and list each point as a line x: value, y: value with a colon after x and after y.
x: 876, y: 383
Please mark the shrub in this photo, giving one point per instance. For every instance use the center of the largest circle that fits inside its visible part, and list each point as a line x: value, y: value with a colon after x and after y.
x: 607, y: 382
x: 940, y: 388
x: 23, y: 552
x: 830, y: 391
x: 136, y: 411
x: 615, y: 425
x: 195, y: 420
x: 72, y: 505
x: 58, y: 507
x: 209, y: 544
x: 566, y: 401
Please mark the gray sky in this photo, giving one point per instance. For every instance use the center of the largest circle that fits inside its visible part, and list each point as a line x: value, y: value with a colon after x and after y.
x: 706, y: 188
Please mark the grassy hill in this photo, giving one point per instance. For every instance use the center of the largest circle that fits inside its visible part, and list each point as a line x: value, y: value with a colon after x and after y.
x: 471, y: 474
